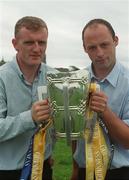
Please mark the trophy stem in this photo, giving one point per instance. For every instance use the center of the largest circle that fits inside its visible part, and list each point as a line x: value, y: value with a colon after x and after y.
x: 67, y: 113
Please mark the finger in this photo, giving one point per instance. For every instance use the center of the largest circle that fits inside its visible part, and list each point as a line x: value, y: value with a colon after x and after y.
x: 43, y: 112
x: 98, y: 107
x: 43, y: 118
x: 43, y: 102
x: 39, y: 108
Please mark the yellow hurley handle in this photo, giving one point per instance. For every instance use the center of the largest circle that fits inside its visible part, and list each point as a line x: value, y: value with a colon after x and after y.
x: 93, y: 87
x: 96, y: 151
x: 38, y: 153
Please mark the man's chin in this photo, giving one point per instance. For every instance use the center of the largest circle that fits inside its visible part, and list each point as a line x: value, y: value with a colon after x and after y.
x: 35, y: 63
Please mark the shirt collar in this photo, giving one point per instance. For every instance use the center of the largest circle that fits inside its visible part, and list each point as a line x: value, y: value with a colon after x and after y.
x: 111, y: 77
x: 17, y: 68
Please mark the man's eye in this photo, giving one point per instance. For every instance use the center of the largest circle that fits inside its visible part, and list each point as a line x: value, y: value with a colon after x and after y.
x: 92, y: 48
x: 29, y: 42
x: 41, y: 43
x: 104, y: 45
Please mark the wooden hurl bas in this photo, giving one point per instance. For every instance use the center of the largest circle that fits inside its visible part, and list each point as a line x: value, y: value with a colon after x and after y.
x: 69, y: 95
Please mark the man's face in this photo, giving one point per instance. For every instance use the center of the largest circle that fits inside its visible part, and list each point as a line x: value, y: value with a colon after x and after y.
x: 100, y: 46
x: 30, y: 46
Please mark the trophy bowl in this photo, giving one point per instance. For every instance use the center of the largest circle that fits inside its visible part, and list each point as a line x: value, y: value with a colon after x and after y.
x: 68, y: 94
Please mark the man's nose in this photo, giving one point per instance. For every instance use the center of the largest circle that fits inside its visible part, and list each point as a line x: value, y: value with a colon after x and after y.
x: 100, y: 51
x: 36, y: 46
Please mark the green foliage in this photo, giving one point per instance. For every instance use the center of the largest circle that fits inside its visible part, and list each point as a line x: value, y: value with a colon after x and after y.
x: 63, y: 160
x: 2, y: 62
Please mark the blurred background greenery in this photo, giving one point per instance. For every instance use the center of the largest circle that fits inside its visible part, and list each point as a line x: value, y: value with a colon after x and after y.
x: 63, y: 160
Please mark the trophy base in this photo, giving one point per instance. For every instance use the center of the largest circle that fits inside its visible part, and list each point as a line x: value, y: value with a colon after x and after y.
x: 73, y: 136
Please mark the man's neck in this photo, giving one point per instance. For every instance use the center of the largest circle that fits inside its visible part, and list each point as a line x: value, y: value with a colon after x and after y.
x: 29, y: 72
x: 30, y: 75
x: 101, y: 73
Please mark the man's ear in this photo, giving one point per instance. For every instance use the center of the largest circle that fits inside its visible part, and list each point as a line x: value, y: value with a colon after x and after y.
x: 14, y: 42
x: 84, y: 48
x: 116, y: 40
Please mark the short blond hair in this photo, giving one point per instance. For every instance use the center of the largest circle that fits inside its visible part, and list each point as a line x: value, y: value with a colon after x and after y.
x: 31, y: 23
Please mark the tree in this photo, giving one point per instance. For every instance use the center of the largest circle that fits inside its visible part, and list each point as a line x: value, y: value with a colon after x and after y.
x: 2, y: 61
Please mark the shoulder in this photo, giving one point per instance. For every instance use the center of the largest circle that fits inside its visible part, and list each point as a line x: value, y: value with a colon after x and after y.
x: 8, y: 72
x: 6, y: 68
x: 124, y: 71
x: 123, y: 79
x: 48, y: 68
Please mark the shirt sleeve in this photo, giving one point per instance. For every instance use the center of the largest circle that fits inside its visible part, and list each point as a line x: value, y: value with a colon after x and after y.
x: 125, y: 111
x: 11, y: 126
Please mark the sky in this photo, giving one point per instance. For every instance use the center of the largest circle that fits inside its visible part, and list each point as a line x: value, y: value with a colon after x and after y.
x: 65, y: 20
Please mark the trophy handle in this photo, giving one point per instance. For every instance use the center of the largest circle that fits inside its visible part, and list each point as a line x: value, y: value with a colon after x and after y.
x: 67, y: 112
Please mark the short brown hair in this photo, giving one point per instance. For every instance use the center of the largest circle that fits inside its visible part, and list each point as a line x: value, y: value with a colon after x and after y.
x: 30, y: 23
x: 99, y: 21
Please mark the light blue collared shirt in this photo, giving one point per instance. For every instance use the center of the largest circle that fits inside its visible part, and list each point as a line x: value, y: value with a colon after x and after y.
x: 116, y: 87
x: 16, y: 124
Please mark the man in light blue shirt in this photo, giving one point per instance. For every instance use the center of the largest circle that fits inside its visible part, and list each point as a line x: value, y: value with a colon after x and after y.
x: 112, y: 102
x: 20, y: 110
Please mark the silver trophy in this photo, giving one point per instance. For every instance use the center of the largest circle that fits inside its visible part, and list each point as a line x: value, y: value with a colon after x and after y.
x: 69, y: 96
